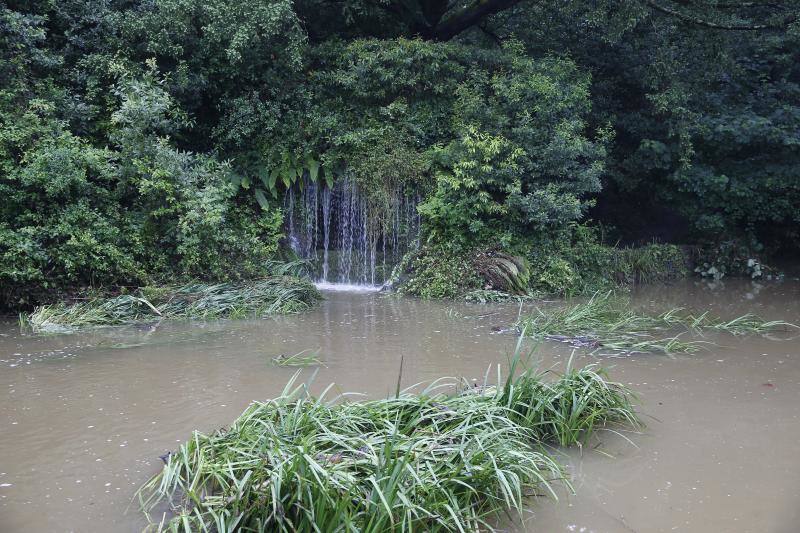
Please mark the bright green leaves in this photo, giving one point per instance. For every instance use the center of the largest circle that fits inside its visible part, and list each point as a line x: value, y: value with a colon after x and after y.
x: 290, y: 172
x: 476, y: 174
x: 313, y: 168
x: 519, y: 159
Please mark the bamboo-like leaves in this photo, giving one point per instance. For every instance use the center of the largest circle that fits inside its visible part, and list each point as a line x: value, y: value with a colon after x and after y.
x: 432, y: 461
x: 261, y: 198
x: 290, y: 172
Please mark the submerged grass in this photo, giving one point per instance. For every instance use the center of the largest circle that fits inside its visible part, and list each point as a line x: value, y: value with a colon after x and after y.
x: 449, y: 458
x: 607, y: 321
x: 275, y: 295
x: 484, y: 296
x: 304, y: 358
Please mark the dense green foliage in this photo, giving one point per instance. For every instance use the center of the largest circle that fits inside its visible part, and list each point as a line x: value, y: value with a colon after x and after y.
x: 706, y: 120
x: 144, y: 141
x: 573, y: 261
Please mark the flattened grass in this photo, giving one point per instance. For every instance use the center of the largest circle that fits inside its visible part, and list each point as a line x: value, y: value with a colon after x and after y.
x: 607, y: 321
x: 304, y: 358
x: 275, y: 295
x: 450, y: 458
x: 484, y: 296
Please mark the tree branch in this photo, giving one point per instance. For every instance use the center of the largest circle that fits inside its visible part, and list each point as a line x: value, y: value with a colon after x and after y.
x: 433, y: 11
x: 468, y: 16
x: 708, y: 24
x: 492, y: 35
x: 746, y: 5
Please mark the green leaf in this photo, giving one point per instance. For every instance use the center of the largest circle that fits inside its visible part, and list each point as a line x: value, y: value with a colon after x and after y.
x: 261, y: 198
x: 273, y: 177
x: 328, y: 179
x: 264, y: 177
x: 313, y: 168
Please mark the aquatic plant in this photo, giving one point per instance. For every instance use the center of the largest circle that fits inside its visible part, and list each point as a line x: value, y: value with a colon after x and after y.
x: 304, y: 358
x: 275, y: 295
x: 450, y: 458
x: 607, y: 320
x: 483, y: 296
x: 743, y: 325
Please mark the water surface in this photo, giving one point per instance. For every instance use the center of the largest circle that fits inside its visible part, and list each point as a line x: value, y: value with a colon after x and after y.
x: 84, y: 417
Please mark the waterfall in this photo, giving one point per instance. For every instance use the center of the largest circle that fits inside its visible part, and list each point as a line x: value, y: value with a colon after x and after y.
x: 346, y: 239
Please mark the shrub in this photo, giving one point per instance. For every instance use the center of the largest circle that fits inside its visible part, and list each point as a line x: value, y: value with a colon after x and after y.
x: 436, y: 272
x: 140, y: 211
x: 730, y: 258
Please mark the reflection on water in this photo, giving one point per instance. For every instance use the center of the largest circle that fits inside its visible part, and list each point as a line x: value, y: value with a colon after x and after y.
x: 84, y: 417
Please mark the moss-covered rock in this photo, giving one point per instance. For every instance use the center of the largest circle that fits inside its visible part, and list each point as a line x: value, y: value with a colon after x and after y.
x: 435, y: 272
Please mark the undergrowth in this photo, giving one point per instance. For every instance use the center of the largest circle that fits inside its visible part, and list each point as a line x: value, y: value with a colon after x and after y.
x: 570, y: 262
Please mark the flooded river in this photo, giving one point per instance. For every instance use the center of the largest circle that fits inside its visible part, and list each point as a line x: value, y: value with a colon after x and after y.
x: 84, y: 417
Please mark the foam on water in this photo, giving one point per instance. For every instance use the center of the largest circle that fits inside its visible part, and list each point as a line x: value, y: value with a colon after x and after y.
x: 346, y: 287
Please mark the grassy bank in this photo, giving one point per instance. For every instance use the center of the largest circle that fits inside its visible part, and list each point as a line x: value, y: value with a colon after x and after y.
x: 579, y: 264
x: 449, y: 458
x: 275, y: 295
x: 606, y: 321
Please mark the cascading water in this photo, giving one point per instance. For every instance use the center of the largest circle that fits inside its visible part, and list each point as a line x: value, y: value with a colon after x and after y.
x: 347, y: 240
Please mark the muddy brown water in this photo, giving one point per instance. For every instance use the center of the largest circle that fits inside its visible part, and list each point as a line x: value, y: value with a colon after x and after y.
x: 84, y: 417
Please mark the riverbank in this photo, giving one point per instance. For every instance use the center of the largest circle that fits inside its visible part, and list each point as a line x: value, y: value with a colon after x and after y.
x: 257, y: 298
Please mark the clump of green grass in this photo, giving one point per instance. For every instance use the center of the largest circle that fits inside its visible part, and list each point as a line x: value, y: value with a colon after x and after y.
x: 298, y: 268
x: 569, y: 409
x: 304, y: 358
x: 748, y: 324
x: 652, y: 263
x: 607, y: 321
x: 428, y: 461
x: 275, y: 295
